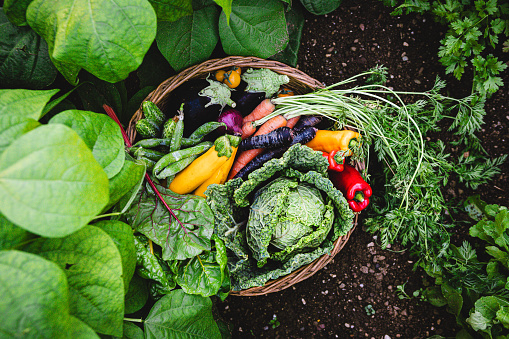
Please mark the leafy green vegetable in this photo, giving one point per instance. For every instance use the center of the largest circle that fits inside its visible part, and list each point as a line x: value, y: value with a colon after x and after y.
x: 189, y: 40
x: 93, y: 266
x: 50, y: 182
x: 35, y: 300
x: 12, y: 236
x: 24, y: 58
x: 295, y: 24
x: 320, y: 7
x: 100, y: 133
x: 181, y: 315
x: 180, y: 239
x: 286, y: 205
x: 108, y: 39
x: 137, y: 295
x: 256, y: 27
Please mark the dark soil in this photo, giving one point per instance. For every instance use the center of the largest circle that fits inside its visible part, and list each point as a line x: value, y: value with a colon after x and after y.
x: 356, y: 296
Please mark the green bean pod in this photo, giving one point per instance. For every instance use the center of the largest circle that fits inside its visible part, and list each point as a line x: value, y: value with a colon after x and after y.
x: 152, y: 142
x: 147, y: 153
x: 176, y: 139
x: 175, y: 167
x: 200, y: 133
x: 179, y: 155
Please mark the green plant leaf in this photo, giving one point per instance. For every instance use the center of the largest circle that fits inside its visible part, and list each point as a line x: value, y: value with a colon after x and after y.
x: 129, y: 179
x: 122, y: 235
x: 35, y: 300
x: 137, y: 294
x: 154, y: 69
x: 94, y: 93
x: 295, y: 24
x: 12, y: 236
x: 181, y: 315
x: 15, y: 10
x: 171, y: 10
x: 189, y: 40
x: 106, y: 38
x: 92, y: 263
x: 19, y: 111
x: 50, y: 183
x: 100, y: 133
x: 257, y: 28
x: 320, y: 7
x: 201, y: 275
x: 178, y: 241
x: 24, y: 58
x: 131, y: 331
x: 226, y: 5
x: 454, y: 299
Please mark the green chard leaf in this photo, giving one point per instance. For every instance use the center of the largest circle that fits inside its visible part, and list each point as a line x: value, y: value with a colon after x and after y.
x: 182, y: 239
x: 93, y: 266
x: 178, y: 315
x: 106, y: 38
x: 24, y: 58
x: 50, y: 182
x: 100, y: 133
x: 35, y: 300
x: 256, y: 27
x: 189, y: 40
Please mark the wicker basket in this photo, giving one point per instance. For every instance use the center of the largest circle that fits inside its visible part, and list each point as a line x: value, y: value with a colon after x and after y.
x: 300, y: 83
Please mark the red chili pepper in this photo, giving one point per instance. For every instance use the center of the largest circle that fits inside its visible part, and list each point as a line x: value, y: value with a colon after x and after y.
x: 333, y: 156
x: 352, y: 185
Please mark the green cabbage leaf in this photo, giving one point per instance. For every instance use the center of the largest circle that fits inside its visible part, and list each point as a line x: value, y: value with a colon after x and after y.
x: 284, y: 216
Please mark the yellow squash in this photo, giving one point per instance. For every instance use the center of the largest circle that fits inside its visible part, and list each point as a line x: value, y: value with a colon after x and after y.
x: 219, y: 177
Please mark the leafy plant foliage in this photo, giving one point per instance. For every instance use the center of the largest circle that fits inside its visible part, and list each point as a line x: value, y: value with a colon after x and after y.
x: 475, y: 28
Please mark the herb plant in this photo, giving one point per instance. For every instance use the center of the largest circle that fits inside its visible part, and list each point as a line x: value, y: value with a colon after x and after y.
x: 475, y: 30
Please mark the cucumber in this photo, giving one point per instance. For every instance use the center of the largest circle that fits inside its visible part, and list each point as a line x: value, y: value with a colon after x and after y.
x: 147, y: 128
x: 152, y: 112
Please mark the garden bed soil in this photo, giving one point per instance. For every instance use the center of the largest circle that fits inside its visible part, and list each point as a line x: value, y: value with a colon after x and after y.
x: 356, y: 295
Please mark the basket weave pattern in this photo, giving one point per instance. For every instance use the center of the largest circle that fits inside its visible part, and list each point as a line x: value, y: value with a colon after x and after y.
x: 299, y: 83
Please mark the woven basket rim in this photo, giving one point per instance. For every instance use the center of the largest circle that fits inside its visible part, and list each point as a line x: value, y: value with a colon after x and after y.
x: 300, y: 82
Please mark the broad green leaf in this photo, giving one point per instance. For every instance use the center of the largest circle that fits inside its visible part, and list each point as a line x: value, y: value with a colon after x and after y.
x: 182, y: 239
x: 35, y: 302
x: 137, y: 294
x: 201, y: 275
x: 107, y: 38
x: 226, y: 5
x: 122, y: 235
x: 50, y: 183
x: 295, y: 24
x: 478, y: 321
x: 171, y: 10
x: 257, y: 28
x: 128, y: 180
x: 434, y: 296
x: 19, y: 111
x: 15, y: 10
x: 189, y: 40
x: 12, y: 236
x: 321, y: 7
x: 181, y: 315
x: 78, y: 329
x: 154, y: 69
x: 131, y: 331
x: 93, y: 266
x: 503, y: 316
x: 100, y: 133
x: 24, y: 58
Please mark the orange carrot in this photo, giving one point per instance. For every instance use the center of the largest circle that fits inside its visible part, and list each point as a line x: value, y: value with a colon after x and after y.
x: 248, y: 129
x: 292, y: 121
x: 246, y: 156
x: 262, y: 110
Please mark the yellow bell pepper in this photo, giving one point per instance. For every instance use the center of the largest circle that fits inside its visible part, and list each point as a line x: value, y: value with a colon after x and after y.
x: 205, y: 165
x: 219, y: 177
x: 328, y: 141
